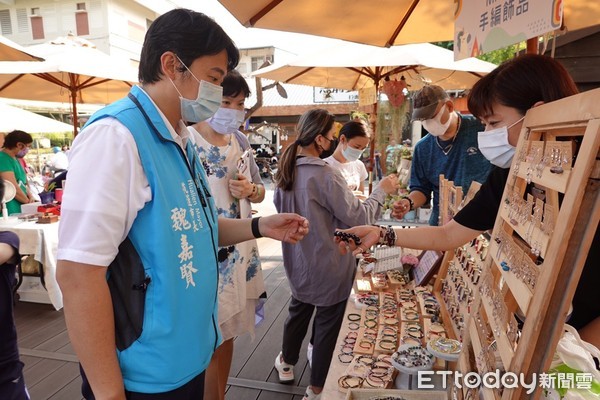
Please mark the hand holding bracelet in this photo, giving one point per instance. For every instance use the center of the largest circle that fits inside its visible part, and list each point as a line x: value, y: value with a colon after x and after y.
x: 387, y: 236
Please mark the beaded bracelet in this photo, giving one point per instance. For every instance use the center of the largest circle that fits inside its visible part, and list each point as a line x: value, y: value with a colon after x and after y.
x: 353, y: 317
x: 345, y: 358
x: 411, y: 315
x: 387, y: 236
x: 353, y: 326
x: 410, y: 340
x: 389, y: 344
x: 254, y: 190
x: 347, y: 349
x: 370, y: 323
x: 350, y: 382
x: 366, y: 360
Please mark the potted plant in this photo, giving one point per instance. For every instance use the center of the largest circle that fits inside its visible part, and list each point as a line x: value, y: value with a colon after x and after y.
x: 405, y: 159
x: 47, y: 195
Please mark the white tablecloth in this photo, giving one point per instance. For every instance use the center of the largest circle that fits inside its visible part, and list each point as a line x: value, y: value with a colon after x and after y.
x: 41, y: 241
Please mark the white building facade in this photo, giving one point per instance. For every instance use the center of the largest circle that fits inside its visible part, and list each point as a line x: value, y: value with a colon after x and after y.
x: 116, y: 27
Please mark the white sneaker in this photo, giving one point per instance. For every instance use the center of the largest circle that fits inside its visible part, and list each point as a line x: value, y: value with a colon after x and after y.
x: 309, y: 350
x: 284, y: 370
x: 310, y: 395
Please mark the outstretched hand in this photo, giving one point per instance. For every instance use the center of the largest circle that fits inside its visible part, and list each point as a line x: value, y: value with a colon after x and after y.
x: 400, y: 208
x: 289, y: 228
x: 368, y: 234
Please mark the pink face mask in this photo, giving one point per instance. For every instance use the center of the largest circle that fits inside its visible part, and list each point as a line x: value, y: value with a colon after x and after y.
x: 23, y: 152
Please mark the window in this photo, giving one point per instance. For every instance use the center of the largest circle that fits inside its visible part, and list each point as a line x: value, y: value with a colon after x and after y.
x: 22, y: 20
x: 35, y: 11
x: 5, y: 22
x: 257, y: 62
x: 81, y: 7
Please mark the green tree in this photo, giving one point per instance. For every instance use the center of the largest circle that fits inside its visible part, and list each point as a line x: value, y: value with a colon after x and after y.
x: 496, y: 56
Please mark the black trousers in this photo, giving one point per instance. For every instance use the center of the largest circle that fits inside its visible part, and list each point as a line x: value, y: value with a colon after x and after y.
x: 326, y: 326
x: 12, y: 384
x: 193, y: 390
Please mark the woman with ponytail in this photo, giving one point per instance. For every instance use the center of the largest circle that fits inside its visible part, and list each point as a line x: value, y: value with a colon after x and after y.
x: 319, y: 276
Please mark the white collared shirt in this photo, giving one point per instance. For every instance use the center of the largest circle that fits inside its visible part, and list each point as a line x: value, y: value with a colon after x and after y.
x: 106, y: 187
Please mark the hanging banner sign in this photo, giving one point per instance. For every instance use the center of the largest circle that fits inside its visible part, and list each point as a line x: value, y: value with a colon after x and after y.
x: 329, y: 95
x: 484, y: 25
x: 367, y: 96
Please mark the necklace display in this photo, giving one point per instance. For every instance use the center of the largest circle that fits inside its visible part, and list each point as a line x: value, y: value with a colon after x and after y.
x: 446, y: 149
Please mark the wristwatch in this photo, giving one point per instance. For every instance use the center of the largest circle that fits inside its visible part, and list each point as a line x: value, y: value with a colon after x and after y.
x: 412, y: 204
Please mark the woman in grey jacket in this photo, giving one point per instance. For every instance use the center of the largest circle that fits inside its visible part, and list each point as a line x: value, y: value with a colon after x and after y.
x: 318, y: 274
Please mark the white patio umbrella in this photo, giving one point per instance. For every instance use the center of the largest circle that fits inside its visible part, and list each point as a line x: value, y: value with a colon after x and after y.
x: 70, y: 73
x: 11, y: 51
x: 354, y: 66
x: 12, y: 118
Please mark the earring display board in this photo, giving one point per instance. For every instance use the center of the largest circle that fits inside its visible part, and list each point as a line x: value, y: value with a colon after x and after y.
x: 540, y: 241
x: 457, y: 282
x: 451, y: 198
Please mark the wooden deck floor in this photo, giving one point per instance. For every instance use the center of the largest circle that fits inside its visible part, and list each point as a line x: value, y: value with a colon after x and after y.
x: 52, y: 371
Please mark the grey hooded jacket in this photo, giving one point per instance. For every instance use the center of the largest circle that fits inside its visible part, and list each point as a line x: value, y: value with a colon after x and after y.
x: 318, y: 274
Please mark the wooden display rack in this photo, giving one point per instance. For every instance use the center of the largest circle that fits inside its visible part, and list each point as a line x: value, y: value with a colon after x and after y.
x: 538, y: 245
x: 451, y: 201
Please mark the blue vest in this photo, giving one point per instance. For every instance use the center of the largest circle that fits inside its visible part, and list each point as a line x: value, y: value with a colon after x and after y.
x: 175, y: 236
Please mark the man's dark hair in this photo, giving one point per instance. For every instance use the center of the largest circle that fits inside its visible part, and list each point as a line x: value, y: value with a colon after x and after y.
x: 187, y: 33
x: 234, y: 84
x: 16, y: 136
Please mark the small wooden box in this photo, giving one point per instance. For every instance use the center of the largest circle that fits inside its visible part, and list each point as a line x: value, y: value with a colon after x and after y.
x: 367, y: 394
x: 47, y: 219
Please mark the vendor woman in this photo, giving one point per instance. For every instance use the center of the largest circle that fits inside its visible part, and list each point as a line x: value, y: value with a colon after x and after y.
x: 500, y: 100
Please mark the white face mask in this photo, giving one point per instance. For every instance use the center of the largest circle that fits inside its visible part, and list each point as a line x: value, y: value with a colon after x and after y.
x: 206, y: 103
x: 227, y: 120
x: 350, y: 153
x: 494, y: 145
x: 434, y: 125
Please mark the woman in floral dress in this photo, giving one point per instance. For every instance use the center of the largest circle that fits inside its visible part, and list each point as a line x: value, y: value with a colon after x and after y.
x: 220, y: 146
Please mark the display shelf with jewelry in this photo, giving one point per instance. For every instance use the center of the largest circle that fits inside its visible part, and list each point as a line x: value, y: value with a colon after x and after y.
x: 548, y: 163
x: 540, y: 238
x: 498, y: 321
x: 460, y: 271
x: 516, y: 267
x: 532, y: 219
x: 483, y: 359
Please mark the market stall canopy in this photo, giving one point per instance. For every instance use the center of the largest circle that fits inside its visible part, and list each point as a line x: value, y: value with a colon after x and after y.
x: 71, y: 72
x: 11, y: 51
x: 354, y: 66
x: 379, y: 23
x: 12, y: 118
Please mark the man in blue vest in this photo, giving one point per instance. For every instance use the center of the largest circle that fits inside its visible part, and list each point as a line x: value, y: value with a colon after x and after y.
x: 139, y: 229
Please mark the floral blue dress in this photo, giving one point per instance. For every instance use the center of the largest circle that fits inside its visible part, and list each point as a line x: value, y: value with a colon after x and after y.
x: 240, y: 275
